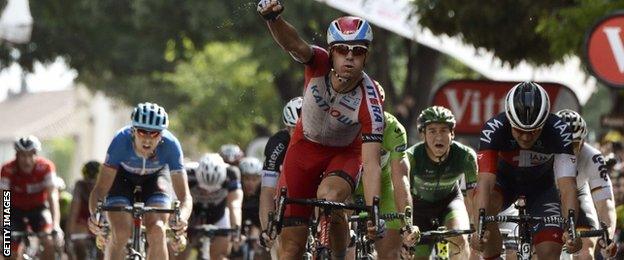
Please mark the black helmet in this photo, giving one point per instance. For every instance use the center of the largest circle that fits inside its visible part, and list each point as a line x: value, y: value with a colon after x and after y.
x: 527, y: 106
x: 90, y: 170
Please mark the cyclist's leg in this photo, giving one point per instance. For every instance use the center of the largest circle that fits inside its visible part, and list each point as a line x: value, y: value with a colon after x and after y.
x: 389, y: 247
x: 41, y: 222
x: 338, y: 184
x: 303, y: 165
x: 17, y: 224
x: 546, y: 238
x: 220, y: 246
x: 423, y: 214
x: 457, y: 218
x: 334, y: 188
x: 587, y: 220
x: 155, y: 194
x: 120, y: 194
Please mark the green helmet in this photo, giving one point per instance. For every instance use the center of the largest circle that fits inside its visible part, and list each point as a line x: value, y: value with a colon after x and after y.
x: 435, y: 114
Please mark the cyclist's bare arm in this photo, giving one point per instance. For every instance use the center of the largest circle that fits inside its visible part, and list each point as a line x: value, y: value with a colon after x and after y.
x: 606, y: 213
x: 286, y: 35
x: 73, y: 213
x: 102, y: 185
x: 179, y: 182
x: 569, y: 199
x: 372, y: 170
x: 400, y: 168
x: 266, y: 205
x: 53, y: 201
x: 485, y: 186
x: 234, y: 204
x: 469, y: 201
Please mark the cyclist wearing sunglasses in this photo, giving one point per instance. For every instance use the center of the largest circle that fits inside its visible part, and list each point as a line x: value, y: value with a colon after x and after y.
x: 527, y: 151
x: 340, y: 129
x: 594, y: 187
x: 142, y: 155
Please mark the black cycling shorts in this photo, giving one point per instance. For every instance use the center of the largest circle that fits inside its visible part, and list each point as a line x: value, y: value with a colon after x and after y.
x: 150, y: 189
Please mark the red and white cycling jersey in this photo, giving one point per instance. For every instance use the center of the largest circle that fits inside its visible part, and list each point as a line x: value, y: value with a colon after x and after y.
x: 28, y: 190
x: 337, y: 119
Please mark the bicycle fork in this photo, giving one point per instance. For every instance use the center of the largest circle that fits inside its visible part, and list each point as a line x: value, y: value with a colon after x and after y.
x: 323, y: 250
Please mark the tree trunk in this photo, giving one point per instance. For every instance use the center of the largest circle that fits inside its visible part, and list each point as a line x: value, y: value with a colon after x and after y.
x: 287, y: 86
x: 422, y: 65
x: 381, y: 68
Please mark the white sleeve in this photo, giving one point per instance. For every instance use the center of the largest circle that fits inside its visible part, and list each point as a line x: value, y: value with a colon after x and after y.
x: 269, y: 178
x: 597, y: 174
x: 564, y: 165
x: 599, y: 181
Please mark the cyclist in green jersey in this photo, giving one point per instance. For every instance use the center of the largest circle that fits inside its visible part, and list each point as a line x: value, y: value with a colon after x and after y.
x: 437, y: 165
x: 395, y: 169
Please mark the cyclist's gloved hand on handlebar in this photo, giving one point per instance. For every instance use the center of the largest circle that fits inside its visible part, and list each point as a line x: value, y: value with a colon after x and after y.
x: 94, y: 226
x: 373, y: 232
x: 270, y: 9
x: 476, y: 243
x: 59, y: 240
x: 572, y: 246
x: 265, y: 240
x: 411, y: 235
x: 179, y: 226
x: 608, y: 251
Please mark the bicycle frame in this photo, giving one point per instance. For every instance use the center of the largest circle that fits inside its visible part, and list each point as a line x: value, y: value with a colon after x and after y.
x: 525, y: 223
x: 33, y: 253
x: 364, y: 246
x: 136, y: 250
x: 206, y: 234
x: 319, y: 233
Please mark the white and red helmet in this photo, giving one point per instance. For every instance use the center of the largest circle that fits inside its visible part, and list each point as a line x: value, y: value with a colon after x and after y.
x: 349, y: 29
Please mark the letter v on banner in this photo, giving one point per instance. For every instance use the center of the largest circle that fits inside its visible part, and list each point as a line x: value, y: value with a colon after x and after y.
x: 604, y: 48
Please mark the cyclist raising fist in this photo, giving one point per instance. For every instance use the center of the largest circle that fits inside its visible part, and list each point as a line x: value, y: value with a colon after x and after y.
x: 340, y: 128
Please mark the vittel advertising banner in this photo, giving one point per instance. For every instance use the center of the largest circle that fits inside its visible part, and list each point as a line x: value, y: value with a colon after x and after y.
x: 604, y: 49
x: 475, y: 101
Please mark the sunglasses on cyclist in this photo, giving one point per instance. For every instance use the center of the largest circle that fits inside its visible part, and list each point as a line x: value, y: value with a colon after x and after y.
x: 344, y: 49
x: 147, y: 133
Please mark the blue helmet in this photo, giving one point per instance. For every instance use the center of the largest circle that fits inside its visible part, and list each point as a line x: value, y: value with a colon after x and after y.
x: 150, y: 116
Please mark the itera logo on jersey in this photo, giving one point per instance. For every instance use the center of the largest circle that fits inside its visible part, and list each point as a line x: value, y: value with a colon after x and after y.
x: 374, y: 102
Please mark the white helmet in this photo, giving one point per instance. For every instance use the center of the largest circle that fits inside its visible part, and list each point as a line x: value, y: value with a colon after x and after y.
x: 231, y: 153
x: 576, y: 122
x: 150, y: 116
x: 211, y: 172
x: 250, y: 166
x: 292, y: 111
x: 27, y: 143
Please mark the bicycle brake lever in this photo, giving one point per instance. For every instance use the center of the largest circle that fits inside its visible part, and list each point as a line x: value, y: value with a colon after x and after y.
x: 481, y: 224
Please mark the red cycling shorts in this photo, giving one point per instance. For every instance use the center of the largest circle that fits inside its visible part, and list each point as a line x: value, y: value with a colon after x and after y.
x: 307, y: 163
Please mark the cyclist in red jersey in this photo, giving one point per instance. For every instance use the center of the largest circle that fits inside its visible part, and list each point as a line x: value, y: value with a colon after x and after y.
x: 340, y: 129
x: 34, y: 196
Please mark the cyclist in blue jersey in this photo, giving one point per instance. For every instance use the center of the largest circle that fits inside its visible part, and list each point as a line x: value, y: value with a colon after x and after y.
x: 140, y: 161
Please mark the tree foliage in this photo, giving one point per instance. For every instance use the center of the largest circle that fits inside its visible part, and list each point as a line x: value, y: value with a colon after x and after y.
x: 158, y: 50
x: 218, y: 109
x: 540, y: 32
